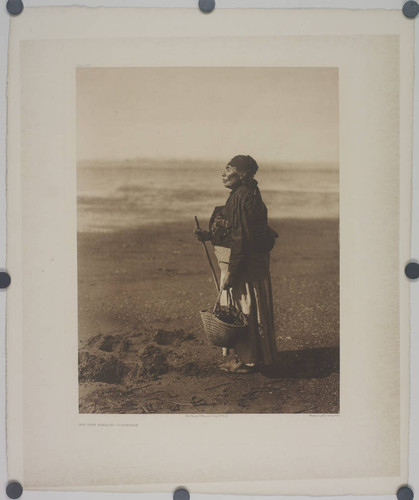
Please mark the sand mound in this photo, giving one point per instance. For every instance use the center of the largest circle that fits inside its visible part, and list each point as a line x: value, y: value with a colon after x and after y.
x: 125, y: 345
x: 110, y: 343
x: 154, y: 362
x: 103, y: 367
x: 97, y: 369
x: 135, y: 375
x: 164, y: 337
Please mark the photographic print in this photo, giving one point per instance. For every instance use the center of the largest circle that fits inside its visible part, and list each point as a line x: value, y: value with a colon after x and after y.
x: 208, y: 240
x: 198, y: 222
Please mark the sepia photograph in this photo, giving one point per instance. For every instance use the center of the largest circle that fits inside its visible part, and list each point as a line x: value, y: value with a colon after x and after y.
x: 207, y: 232
x: 208, y: 240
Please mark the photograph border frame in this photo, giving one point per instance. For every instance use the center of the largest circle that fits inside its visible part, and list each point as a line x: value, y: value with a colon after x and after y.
x: 414, y: 411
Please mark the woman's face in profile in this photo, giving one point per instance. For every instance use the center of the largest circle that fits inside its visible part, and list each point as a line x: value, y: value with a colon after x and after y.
x: 230, y: 177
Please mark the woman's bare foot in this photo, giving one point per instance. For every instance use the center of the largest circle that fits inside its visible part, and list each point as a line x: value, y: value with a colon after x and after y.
x: 237, y: 367
x: 231, y: 366
x: 247, y: 369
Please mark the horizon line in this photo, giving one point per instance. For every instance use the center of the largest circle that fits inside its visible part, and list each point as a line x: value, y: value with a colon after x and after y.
x: 131, y: 160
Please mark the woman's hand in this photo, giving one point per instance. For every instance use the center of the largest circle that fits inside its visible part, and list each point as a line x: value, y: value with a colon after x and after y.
x: 202, y: 235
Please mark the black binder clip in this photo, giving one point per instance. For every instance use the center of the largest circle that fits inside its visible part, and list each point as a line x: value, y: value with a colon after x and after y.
x: 206, y: 6
x: 14, y: 490
x: 405, y: 493
x: 4, y: 279
x: 411, y: 9
x: 14, y: 7
x: 411, y: 270
x: 181, y: 494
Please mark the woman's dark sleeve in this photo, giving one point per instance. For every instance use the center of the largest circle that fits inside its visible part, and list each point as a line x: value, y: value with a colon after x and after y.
x: 240, y: 238
x: 238, y: 252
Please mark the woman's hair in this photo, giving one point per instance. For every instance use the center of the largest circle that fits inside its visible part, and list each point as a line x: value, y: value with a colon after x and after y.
x: 244, y: 164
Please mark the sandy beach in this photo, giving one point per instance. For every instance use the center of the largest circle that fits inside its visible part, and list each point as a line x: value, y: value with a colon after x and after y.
x: 142, y: 347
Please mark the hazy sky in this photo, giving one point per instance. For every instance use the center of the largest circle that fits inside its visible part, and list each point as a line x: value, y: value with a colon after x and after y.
x: 273, y: 114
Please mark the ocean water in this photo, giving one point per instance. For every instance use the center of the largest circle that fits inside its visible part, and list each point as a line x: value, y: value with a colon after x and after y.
x: 113, y: 196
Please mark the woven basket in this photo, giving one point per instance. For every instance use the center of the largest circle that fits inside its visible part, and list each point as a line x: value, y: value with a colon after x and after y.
x: 220, y: 333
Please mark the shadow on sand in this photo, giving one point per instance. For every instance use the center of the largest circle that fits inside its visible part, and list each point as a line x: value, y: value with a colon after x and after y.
x: 305, y: 363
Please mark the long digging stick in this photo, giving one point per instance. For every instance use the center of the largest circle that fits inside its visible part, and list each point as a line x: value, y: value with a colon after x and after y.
x: 217, y: 286
x: 226, y: 350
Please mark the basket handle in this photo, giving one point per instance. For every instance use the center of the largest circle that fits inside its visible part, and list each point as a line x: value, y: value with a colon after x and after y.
x: 229, y: 300
x: 217, y: 302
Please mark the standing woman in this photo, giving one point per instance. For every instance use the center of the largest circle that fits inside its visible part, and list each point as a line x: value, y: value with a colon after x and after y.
x: 242, y: 241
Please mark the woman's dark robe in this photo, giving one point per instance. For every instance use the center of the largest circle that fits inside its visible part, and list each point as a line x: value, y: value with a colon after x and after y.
x: 242, y: 240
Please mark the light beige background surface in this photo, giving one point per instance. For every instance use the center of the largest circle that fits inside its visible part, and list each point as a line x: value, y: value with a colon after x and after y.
x: 362, y: 450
